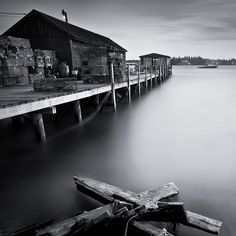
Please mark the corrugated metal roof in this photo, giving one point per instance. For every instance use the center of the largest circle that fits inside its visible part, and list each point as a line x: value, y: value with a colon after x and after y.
x: 154, y: 55
x: 75, y: 32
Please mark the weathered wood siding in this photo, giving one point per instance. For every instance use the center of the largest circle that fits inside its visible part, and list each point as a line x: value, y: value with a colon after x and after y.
x: 43, y: 35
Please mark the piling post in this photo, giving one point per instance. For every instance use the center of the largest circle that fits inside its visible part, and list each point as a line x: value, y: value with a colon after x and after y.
x: 151, y: 77
x: 155, y: 67
x: 139, y: 88
x: 128, y: 85
x: 165, y: 71
x: 96, y: 100
x: 146, y: 81
x: 78, y: 112
x: 39, y: 126
x: 160, y: 73
x: 113, y: 89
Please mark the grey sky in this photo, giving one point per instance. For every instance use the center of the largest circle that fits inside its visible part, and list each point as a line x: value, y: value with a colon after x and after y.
x: 174, y: 27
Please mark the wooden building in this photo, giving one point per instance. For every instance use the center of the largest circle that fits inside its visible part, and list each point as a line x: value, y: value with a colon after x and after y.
x: 154, y: 59
x: 71, y: 43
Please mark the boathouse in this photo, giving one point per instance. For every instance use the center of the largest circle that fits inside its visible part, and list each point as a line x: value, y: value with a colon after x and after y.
x: 71, y: 43
x: 154, y: 59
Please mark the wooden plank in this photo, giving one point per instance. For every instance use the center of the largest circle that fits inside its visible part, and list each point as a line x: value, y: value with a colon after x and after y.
x: 81, y: 223
x: 113, y: 89
x: 149, y: 229
x: 176, y: 212
x: 203, y: 223
x: 159, y: 193
x: 167, y: 212
x: 106, y: 192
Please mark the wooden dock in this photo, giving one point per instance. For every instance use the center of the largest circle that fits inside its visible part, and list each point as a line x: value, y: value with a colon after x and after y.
x: 20, y: 100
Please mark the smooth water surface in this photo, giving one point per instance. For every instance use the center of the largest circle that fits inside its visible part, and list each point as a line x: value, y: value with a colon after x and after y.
x: 182, y: 131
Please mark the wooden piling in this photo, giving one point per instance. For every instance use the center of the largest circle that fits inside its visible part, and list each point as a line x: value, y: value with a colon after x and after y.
x: 151, y: 77
x: 139, y: 88
x: 155, y: 75
x: 39, y: 126
x: 97, y: 100
x: 78, y: 112
x: 159, y: 67
x: 113, y: 90
x: 146, y: 81
x: 128, y: 85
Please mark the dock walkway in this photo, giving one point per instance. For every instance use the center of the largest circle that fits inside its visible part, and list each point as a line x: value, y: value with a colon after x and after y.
x: 22, y: 99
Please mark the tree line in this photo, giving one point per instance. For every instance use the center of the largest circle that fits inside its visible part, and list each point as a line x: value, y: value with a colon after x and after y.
x: 200, y: 61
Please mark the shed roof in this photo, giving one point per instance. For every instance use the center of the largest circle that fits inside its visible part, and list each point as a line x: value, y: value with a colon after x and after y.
x: 75, y: 32
x: 155, y: 55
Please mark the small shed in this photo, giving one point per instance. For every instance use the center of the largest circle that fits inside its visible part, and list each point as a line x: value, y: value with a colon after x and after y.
x: 154, y: 59
x: 71, y: 43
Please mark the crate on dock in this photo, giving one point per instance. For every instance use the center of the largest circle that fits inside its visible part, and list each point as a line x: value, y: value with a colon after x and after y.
x: 10, y: 71
x: 6, y: 41
x: 10, y: 61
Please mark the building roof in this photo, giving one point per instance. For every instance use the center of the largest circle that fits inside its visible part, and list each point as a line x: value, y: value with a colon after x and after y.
x: 75, y: 32
x: 154, y: 55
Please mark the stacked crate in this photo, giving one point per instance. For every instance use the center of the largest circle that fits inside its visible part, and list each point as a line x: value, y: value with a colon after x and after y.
x: 94, y: 65
x: 16, y: 56
x: 44, y: 60
x: 118, y: 60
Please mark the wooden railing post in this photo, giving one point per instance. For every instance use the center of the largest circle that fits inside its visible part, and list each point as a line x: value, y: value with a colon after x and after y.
x: 139, y: 89
x: 113, y: 89
x: 128, y: 85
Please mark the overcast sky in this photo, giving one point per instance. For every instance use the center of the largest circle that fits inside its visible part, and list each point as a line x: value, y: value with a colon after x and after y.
x: 175, y: 27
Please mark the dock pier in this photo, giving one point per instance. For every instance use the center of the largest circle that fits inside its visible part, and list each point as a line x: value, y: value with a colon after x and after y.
x: 22, y: 99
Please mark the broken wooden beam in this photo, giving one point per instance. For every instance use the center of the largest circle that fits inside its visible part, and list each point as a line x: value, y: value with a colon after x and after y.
x: 106, y: 193
x: 202, y: 222
x: 78, y: 225
x: 155, y: 209
x: 149, y: 229
x: 159, y: 193
x: 175, y: 212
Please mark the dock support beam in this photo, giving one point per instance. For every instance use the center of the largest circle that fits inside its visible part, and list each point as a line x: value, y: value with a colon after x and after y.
x: 160, y: 73
x: 151, y: 77
x: 39, y: 126
x: 128, y: 85
x: 78, y: 112
x: 139, y: 88
x: 96, y: 100
x: 155, y: 75
x: 113, y: 89
x: 146, y: 81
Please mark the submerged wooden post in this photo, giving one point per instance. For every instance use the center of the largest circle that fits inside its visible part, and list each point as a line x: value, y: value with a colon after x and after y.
x: 139, y: 88
x: 113, y: 90
x: 146, y: 81
x: 128, y: 85
x: 39, y: 126
x: 78, y: 112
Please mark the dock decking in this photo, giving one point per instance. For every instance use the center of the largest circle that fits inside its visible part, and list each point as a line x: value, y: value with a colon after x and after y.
x: 22, y: 99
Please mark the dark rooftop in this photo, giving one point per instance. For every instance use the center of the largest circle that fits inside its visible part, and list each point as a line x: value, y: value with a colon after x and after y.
x: 75, y: 32
x: 155, y: 55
